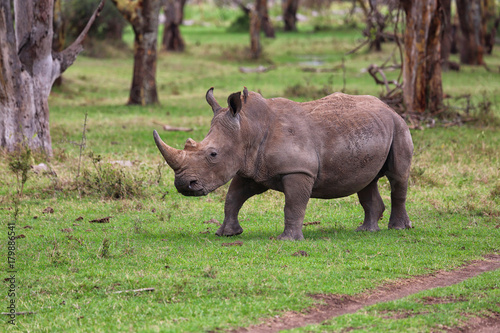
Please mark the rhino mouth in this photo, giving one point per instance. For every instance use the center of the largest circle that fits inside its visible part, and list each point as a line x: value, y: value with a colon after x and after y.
x: 191, y: 188
x: 190, y: 193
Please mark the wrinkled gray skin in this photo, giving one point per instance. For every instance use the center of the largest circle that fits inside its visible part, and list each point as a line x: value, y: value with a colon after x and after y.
x: 328, y: 148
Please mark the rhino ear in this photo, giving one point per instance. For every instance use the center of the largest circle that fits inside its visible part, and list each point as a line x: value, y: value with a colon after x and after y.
x: 212, y: 101
x: 234, y: 103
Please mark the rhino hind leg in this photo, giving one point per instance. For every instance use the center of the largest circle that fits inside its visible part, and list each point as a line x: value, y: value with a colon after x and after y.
x: 240, y: 190
x: 398, y: 173
x: 399, y: 217
x: 373, y: 205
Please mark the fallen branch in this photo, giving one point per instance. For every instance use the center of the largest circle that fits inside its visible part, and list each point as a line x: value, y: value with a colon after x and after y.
x: 374, y: 70
x: 322, y: 70
x: 133, y: 290
x: 259, y: 69
x: 237, y: 243
x: 173, y: 128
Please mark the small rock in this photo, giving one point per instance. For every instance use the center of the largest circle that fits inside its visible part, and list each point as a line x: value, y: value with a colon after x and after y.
x: 102, y: 220
x: 300, y: 253
x: 39, y: 168
x: 48, y: 210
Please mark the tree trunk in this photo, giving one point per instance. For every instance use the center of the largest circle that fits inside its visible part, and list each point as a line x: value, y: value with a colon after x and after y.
x: 472, y: 45
x: 422, y: 86
x: 28, y: 68
x: 174, y: 14
x: 290, y: 14
x: 265, y: 22
x: 143, y: 16
x: 255, y: 48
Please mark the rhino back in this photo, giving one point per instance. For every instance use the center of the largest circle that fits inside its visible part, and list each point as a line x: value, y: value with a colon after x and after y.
x: 341, y: 141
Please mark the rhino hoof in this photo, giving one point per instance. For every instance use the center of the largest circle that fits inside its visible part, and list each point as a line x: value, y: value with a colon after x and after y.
x: 401, y: 225
x: 225, y: 231
x: 291, y: 236
x: 368, y: 228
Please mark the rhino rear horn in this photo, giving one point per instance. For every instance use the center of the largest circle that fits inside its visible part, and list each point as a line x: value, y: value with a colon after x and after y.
x: 172, y: 156
x: 211, y: 100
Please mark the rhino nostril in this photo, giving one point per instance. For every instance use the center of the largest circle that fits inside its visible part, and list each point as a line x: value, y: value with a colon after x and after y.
x: 192, y: 184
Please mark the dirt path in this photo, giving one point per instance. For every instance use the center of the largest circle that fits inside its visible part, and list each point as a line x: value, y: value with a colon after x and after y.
x: 337, y: 305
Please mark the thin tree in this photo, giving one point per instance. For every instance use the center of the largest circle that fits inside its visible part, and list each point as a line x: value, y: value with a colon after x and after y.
x: 255, y: 22
x: 375, y: 25
x: 265, y: 22
x: 174, y: 14
x: 143, y: 16
x: 290, y: 8
x: 59, y: 36
x: 446, y: 36
x: 28, y: 68
x: 490, y: 22
x: 422, y: 85
x: 472, y: 44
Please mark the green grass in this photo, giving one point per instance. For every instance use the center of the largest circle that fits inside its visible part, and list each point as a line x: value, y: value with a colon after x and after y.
x: 68, y: 269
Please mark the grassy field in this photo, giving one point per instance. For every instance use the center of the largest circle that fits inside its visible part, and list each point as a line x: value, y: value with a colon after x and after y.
x: 69, y: 268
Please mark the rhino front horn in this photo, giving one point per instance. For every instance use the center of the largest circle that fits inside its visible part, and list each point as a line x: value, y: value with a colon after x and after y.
x: 211, y: 100
x: 171, y: 155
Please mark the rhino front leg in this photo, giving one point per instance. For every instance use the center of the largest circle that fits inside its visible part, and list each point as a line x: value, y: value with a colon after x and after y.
x: 297, y: 189
x: 240, y: 190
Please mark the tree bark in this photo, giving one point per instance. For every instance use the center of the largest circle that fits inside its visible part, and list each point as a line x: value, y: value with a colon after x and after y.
x: 290, y: 14
x: 28, y: 68
x: 143, y: 16
x: 472, y: 45
x: 174, y: 14
x: 422, y: 85
x: 265, y: 22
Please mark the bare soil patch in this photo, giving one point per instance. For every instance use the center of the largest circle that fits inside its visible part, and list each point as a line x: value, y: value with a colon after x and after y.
x: 337, y: 305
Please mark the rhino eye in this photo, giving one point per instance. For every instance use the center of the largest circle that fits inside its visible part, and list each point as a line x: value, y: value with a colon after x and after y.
x: 213, y: 154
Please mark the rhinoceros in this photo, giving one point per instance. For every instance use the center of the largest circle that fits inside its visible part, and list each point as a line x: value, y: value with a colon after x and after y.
x: 328, y: 148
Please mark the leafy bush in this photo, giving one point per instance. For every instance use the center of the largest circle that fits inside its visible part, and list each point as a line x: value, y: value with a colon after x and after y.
x: 109, y: 181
